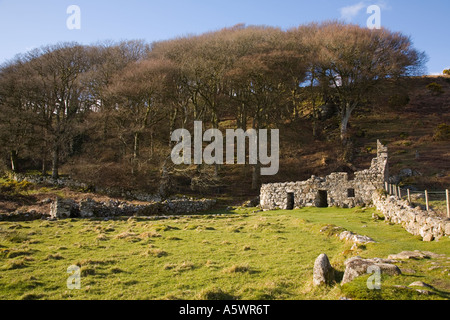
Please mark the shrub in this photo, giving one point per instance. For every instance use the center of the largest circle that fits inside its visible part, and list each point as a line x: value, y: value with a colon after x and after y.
x: 446, y: 72
x: 56, y: 256
x: 442, y: 133
x: 214, y: 294
x: 237, y: 269
x: 16, y: 264
x: 399, y: 100
x: 156, y: 253
x: 14, y: 187
x: 435, y: 88
x: 14, y: 236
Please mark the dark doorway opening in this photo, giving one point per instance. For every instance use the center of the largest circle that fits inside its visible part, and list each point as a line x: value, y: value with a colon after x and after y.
x: 290, y: 201
x: 322, y: 201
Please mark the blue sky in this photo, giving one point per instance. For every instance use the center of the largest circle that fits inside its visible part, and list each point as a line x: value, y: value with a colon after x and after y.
x: 26, y: 24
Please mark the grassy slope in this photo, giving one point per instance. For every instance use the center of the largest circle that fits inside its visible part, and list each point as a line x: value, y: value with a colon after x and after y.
x: 266, y: 255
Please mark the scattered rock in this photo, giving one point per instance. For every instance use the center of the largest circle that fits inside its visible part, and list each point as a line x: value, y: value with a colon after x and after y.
x: 425, y: 292
x: 420, y: 284
x: 408, y: 271
x: 356, y: 238
x: 323, y: 271
x: 407, y: 255
x: 357, y: 266
x: 376, y: 217
x: 434, y: 268
x: 400, y: 287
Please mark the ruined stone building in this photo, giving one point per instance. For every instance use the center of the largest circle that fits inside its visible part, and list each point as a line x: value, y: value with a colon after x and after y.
x: 333, y: 190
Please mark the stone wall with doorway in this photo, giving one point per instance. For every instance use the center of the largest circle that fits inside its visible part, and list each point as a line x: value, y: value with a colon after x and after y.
x: 335, y: 189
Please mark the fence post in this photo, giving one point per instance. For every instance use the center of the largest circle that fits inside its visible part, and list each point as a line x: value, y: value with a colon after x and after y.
x: 409, y: 196
x: 448, y: 203
x: 426, y: 199
x: 386, y: 187
x: 399, y: 192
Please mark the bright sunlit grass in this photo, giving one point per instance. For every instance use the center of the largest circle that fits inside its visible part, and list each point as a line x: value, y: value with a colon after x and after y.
x: 265, y: 255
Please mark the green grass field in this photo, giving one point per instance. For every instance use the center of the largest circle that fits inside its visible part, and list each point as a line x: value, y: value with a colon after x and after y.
x: 242, y: 255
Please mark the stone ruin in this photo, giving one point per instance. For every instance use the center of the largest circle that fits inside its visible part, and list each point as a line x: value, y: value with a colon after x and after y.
x: 333, y: 190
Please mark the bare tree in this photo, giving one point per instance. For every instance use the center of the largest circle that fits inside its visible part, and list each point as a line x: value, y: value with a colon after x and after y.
x: 138, y: 93
x: 263, y: 77
x: 54, y: 92
x: 352, y: 63
x: 16, y: 117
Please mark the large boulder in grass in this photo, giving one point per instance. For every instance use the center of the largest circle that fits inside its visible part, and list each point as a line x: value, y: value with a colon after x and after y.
x: 323, y: 271
x: 358, y: 266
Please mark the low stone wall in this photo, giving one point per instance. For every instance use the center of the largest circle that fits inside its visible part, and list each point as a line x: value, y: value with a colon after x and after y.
x: 23, y: 216
x: 89, y: 208
x: 38, y: 179
x: 416, y: 221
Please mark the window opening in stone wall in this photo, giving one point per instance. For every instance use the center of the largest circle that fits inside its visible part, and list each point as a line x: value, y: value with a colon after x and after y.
x: 351, y: 193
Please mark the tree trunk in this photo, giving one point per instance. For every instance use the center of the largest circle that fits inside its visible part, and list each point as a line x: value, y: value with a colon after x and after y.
x: 256, y: 176
x: 172, y: 121
x: 315, y: 121
x: 135, y: 152
x: 55, y: 162
x: 345, y: 117
x: 152, y: 144
x: 44, y: 165
x: 346, y: 142
x: 14, y: 157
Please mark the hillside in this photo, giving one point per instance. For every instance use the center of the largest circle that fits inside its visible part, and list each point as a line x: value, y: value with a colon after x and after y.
x: 406, y: 130
x: 409, y: 131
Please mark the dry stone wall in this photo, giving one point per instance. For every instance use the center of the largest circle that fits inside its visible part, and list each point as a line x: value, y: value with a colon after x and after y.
x: 333, y: 190
x: 88, y: 208
x: 416, y: 221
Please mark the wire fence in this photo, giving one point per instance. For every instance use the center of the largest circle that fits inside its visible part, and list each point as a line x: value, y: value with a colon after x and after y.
x: 432, y: 200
